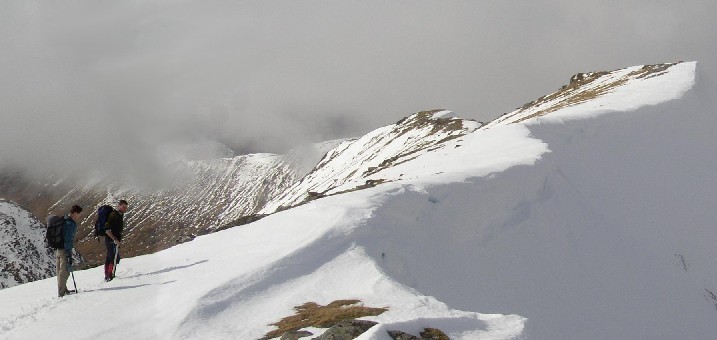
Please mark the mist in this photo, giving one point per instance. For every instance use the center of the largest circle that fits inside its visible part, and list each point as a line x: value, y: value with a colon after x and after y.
x: 123, y: 88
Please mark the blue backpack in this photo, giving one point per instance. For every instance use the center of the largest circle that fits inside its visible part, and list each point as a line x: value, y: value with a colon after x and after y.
x: 102, y: 214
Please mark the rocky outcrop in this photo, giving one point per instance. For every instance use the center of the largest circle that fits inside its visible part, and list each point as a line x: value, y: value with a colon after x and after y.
x: 295, y: 335
x: 433, y: 334
x: 346, y: 330
x: 399, y: 335
x: 23, y: 254
x: 427, y: 334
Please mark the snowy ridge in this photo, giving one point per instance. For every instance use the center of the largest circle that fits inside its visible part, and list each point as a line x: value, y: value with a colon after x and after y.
x: 23, y: 254
x: 553, y: 227
x: 373, y: 158
x: 594, y: 93
x: 359, y: 163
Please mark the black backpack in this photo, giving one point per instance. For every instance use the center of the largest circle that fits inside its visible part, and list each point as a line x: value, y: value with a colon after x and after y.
x: 53, y: 236
x: 103, y: 213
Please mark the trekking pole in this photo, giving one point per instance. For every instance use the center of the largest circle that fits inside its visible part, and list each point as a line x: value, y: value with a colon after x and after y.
x: 114, y: 266
x: 72, y: 273
x: 73, y: 280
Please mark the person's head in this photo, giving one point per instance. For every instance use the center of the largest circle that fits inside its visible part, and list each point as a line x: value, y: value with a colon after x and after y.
x: 122, y: 206
x: 75, y: 213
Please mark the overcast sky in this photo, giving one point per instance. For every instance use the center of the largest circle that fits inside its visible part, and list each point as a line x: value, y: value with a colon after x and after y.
x: 143, y: 77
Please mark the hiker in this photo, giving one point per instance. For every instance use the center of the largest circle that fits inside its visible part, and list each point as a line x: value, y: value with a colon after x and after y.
x: 64, y: 254
x: 113, y: 240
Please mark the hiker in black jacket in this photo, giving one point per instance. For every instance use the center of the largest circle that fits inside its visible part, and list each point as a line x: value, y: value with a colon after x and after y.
x: 114, y: 227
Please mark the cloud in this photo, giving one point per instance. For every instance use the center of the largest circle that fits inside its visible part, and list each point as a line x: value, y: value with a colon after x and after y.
x: 133, y: 78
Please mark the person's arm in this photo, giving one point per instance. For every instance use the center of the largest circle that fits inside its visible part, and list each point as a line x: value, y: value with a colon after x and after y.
x: 109, y: 234
x: 68, y: 234
x: 108, y: 229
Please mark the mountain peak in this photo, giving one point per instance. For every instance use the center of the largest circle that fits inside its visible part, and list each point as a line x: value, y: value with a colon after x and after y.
x: 596, y: 88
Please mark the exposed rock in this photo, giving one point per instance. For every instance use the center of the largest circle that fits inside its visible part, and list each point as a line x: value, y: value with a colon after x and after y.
x: 346, y: 330
x: 398, y: 335
x: 23, y: 254
x: 433, y: 334
x: 427, y: 334
x: 295, y: 335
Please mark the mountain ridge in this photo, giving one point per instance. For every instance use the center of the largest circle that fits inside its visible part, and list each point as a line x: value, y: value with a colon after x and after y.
x: 218, y: 194
x: 591, y: 222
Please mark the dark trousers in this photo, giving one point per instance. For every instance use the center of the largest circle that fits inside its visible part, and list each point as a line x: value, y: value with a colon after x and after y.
x: 111, y: 249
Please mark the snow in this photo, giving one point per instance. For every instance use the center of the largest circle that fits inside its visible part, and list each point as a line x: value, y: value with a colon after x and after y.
x: 23, y: 254
x: 200, y: 289
x: 598, y: 224
x: 345, y: 167
x: 634, y: 93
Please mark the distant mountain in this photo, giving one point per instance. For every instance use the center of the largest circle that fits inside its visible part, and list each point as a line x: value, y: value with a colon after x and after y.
x: 209, y: 196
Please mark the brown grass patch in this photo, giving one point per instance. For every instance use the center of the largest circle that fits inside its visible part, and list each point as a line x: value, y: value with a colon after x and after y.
x: 312, y: 314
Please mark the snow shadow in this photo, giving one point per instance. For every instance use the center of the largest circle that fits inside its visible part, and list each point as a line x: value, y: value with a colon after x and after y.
x: 166, y: 270
x: 128, y: 287
x: 232, y: 294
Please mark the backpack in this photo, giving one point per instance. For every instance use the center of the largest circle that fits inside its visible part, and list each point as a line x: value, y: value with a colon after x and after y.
x: 103, y: 213
x: 53, y: 236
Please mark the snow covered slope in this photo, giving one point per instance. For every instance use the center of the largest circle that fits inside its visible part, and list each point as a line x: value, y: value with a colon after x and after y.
x: 593, y: 221
x: 593, y: 93
x: 609, y: 236
x: 23, y: 254
x: 360, y: 163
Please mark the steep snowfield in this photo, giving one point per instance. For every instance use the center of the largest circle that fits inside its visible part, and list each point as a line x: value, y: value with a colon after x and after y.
x: 609, y: 236
x: 592, y: 221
